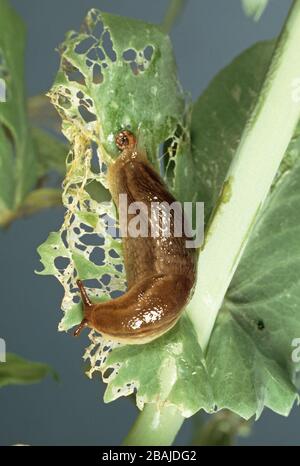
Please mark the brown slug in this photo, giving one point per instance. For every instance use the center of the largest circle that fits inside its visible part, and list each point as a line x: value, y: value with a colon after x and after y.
x: 160, y: 269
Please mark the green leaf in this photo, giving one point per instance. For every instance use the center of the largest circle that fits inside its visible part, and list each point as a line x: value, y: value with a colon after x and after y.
x: 170, y: 370
x: 255, y: 8
x: 260, y: 316
x: 17, y: 158
x: 249, y: 357
x: 19, y: 371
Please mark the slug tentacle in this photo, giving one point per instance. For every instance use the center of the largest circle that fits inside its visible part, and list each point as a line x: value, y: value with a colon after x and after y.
x: 160, y: 269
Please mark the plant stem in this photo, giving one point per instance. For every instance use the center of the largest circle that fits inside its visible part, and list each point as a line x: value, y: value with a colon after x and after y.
x: 155, y: 426
x: 173, y: 12
x: 262, y: 148
x: 220, y: 429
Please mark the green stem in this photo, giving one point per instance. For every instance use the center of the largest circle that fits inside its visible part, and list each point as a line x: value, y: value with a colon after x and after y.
x: 221, y: 429
x: 173, y: 12
x: 155, y: 426
x: 260, y: 152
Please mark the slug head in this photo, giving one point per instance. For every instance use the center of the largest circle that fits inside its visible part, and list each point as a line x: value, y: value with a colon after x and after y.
x: 125, y: 140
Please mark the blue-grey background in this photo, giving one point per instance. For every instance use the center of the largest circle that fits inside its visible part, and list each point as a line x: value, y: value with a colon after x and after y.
x: 208, y: 36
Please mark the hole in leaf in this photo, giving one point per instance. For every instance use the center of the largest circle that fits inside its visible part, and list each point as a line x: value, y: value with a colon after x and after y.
x: 100, y: 53
x: 98, y: 29
x: 148, y: 52
x: 108, y: 372
x: 92, y: 55
x: 81, y: 247
x: 108, y: 46
x: 86, y: 228
x: 95, y: 163
x: 61, y: 263
x: 97, y: 256
x: 134, y: 68
x: 92, y: 240
x: 91, y: 283
x: 129, y: 55
x: 114, y: 254
x: 85, y: 45
x: 73, y: 74
x: 106, y: 279
x: 64, y: 102
x: 97, y: 74
x: 64, y: 238
x: 86, y: 115
x: 260, y: 325
x: 119, y: 267
x: 116, y: 294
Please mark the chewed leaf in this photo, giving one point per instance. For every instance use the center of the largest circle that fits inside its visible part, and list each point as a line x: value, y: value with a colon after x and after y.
x: 170, y: 370
x: 49, y: 251
x: 119, y: 73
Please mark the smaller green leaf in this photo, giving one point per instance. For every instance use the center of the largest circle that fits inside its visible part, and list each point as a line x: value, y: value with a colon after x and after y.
x: 18, y: 371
